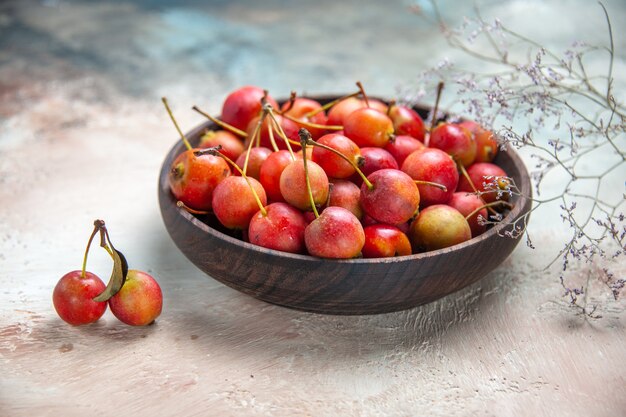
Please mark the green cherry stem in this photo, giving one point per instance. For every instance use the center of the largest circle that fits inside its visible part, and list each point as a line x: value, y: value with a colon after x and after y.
x: 280, y: 131
x: 305, y: 137
x: 312, y: 125
x: 96, y: 228
x: 222, y: 124
x: 180, y: 132
x: 432, y: 184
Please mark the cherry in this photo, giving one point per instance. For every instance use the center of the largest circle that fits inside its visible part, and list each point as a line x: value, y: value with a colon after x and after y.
x: 485, y: 177
x: 255, y: 158
x: 244, y: 104
x: 270, y: 172
x: 402, y: 146
x: 336, y: 233
x: 384, y: 241
x: 346, y: 194
x: 456, y: 141
x: 192, y: 177
x: 368, y: 127
x: 73, y: 298
x: 470, y: 205
x: 293, y: 184
x: 300, y: 109
x: 334, y: 165
x: 486, y: 143
x: 390, y: 196
x: 139, y: 301
x: 437, y: 227
x: 230, y: 144
x: 340, y: 111
x: 407, y: 121
x: 281, y: 227
x: 236, y: 200
x: 436, y: 166
x: 375, y: 159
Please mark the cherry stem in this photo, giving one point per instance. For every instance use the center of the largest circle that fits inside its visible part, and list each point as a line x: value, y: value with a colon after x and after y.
x: 367, y: 182
x: 189, y: 209
x: 216, y: 152
x: 280, y: 131
x: 312, y: 125
x: 289, y: 104
x: 104, y: 238
x: 392, y: 104
x: 330, y: 104
x: 433, y: 119
x: 362, y: 90
x: 432, y: 184
x: 256, y: 137
x: 305, y: 137
x: 471, y: 183
x: 487, y: 206
x: 180, y: 132
x: 96, y: 228
x: 222, y: 124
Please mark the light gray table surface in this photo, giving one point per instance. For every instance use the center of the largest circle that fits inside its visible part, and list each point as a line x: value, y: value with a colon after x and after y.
x: 83, y: 135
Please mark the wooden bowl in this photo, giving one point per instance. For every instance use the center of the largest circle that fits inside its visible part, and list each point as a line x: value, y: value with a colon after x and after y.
x: 353, y: 286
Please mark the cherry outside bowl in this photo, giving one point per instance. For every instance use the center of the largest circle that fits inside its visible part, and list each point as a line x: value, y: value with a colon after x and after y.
x: 353, y: 286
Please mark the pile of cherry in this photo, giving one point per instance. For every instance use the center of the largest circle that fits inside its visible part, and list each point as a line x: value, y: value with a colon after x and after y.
x: 373, y: 181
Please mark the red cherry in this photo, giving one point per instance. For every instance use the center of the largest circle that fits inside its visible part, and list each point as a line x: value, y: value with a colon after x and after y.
x: 340, y: 111
x: 256, y: 159
x: 432, y: 165
x: 73, y: 298
x: 368, y: 127
x: 334, y: 165
x: 281, y: 228
x: 193, y: 178
x: 486, y: 143
x: 336, y: 233
x: 466, y: 204
x: 407, y: 121
x: 393, y: 197
x: 374, y: 159
x: 140, y: 300
x: 244, y: 104
x: 231, y: 145
x: 293, y: 184
x: 234, y: 203
x: 484, y: 175
x: 402, y: 146
x: 346, y: 194
x: 384, y: 241
x: 456, y: 141
x: 271, y: 170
